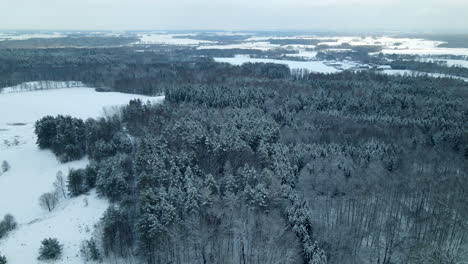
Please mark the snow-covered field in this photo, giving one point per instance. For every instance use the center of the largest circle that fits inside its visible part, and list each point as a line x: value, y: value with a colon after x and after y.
x: 15, y: 36
x: 260, y: 45
x: 428, y: 51
x: 169, y: 39
x: 417, y: 73
x: 305, y: 54
x: 458, y: 63
x: 390, y: 45
x: 33, y: 172
x: 313, y: 66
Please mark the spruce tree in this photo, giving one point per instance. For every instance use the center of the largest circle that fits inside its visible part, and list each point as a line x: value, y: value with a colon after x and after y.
x: 50, y: 249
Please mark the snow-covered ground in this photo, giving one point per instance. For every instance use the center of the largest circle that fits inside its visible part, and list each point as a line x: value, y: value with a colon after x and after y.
x: 260, y: 45
x: 169, y: 39
x: 458, y: 63
x: 303, y: 53
x: 15, y: 36
x: 231, y: 33
x: 33, y: 172
x: 390, y: 45
x: 71, y: 223
x: 313, y: 66
x: 428, y: 51
x: 417, y: 73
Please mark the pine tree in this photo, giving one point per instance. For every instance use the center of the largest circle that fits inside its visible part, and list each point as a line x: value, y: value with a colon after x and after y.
x: 3, y: 259
x: 50, y: 249
x: 211, y: 184
x: 192, y: 195
x: 76, y: 184
x: 7, y: 224
x: 157, y: 214
x: 90, y: 251
x: 5, y: 166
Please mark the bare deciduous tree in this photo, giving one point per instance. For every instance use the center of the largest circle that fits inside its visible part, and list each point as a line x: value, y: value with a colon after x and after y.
x: 59, y: 185
x: 49, y: 200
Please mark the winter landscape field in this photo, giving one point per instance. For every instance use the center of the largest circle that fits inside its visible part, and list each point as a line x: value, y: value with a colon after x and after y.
x: 233, y: 132
x: 33, y: 171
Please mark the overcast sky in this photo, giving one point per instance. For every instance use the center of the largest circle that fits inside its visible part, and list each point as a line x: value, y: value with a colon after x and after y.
x: 403, y: 15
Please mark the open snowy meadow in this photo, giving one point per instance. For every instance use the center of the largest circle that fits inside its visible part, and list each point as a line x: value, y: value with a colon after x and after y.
x: 313, y: 66
x: 33, y: 171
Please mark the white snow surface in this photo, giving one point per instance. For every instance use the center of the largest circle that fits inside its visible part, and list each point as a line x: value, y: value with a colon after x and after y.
x: 14, y: 36
x: 429, y: 51
x: 303, y: 53
x: 169, y: 39
x: 71, y: 223
x: 458, y: 63
x: 33, y: 172
x: 390, y: 45
x: 418, y: 73
x: 260, y: 45
x: 313, y: 66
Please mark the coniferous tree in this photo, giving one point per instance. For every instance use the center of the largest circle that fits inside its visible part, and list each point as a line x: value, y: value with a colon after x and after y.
x: 7, y: 224
x: 76, y: 183
x: 5, y: 166
x: 50, y: 249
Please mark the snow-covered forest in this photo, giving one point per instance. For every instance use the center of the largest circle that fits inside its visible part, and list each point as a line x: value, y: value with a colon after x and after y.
x: 201, y: 160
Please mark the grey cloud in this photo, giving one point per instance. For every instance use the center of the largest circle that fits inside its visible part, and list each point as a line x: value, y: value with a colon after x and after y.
x: 240, y: 14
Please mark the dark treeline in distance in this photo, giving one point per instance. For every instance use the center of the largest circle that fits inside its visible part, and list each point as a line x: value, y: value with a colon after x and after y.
x: 123, y: 69
x: 153, y: 68
x: 74, y: 40
x: 250, y: 164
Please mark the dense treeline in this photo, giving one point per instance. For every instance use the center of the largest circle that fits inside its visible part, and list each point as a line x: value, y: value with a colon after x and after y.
x: 432, y: 67
x: 360, y: 168
x: 75, y: 41
x: 123, y: 69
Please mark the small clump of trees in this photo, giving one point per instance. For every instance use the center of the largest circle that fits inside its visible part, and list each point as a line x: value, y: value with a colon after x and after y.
x: 49, y: 200
x: 64, y: 135
x: 5, y: 166
x: 90, y: 250
x: 3, y: 259
x: 7, y: 225
x: 50, y: 249
x: 80, y: 181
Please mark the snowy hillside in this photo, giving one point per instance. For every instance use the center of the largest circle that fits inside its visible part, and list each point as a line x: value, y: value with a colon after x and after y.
x: 33, y: 172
